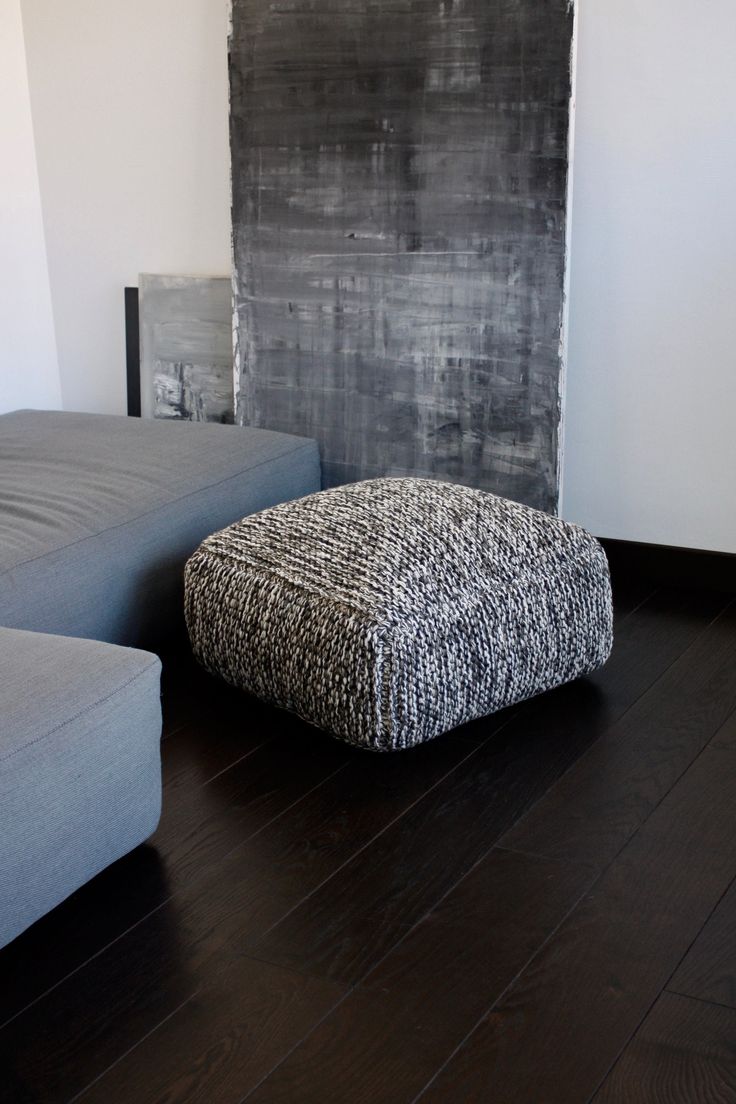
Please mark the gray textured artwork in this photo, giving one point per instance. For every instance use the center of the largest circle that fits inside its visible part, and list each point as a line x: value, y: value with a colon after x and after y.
x: 399, y: 198
x: 186, y: 348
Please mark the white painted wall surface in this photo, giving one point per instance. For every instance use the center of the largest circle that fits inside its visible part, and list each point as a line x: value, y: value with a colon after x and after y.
x: 130, y: 114
x: 29, y: 374
x: 650, y: 438
x: 130, y: 109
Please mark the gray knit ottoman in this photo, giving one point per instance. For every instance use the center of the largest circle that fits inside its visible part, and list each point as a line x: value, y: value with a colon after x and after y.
x: 390, y: 611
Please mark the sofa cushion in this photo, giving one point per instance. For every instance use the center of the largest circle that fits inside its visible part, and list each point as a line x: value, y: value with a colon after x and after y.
x: 80, y: 777
x: 98, y: 514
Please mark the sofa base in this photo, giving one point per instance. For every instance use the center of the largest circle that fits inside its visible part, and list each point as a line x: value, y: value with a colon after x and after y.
x: 80, y: 773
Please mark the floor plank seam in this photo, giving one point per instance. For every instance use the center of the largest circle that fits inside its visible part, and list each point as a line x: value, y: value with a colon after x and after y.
x: 394, y: 820
x: 703, y: 751
x: 728, y: 721
x: 563, y: 861
x: 72, y: 973
x: 698, y: 1000
x: 236, y: 762
x: 296, y: 1045
x: 647, y: 598
x: 409, y: 928
x: 200, y: 785
x: 198, y: 878
x: 506, y: 989
x: 589, y: 750
x: 602, y: 869
x: 167, y: 733
x: 617, y: 1058
x: 601, y: 823
x: 119, y: 1059
x: 664, y: 989
x: 681, y: 958
x: 599, y: 875
x: 694, y: 940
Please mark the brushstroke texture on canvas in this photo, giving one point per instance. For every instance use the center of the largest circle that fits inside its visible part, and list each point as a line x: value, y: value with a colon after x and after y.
x: 399, y: 184
x: 186, y: 348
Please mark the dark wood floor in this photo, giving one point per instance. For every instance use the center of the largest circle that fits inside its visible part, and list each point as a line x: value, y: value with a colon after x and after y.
x: 539, y: 908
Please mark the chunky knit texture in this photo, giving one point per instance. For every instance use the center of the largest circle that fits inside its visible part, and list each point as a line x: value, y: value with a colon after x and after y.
x: 393, y: 610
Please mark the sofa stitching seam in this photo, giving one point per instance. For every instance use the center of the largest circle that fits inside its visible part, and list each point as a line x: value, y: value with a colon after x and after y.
x: 82, y: 712
x: 153, y: 510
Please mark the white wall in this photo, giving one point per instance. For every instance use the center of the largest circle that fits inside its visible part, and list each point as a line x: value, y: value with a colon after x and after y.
x: 29, y: 374
x: 130, y: 109
x: 130, y: 113
x: 650, y: 439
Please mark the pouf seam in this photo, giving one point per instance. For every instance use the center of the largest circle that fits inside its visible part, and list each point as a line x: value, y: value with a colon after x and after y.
x: 275, y: 576
x: 590, y: 554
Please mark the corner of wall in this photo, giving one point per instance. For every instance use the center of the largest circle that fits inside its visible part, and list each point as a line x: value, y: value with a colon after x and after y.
x: 30, y: 374
x: 565, y: 317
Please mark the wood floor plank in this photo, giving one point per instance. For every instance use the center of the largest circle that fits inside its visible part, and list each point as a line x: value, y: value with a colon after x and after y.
x: 591, y: 812
x: 189, y: 693
x: 387, y: 1038
x: 727, y: 735
x: 228, y: 1032
x: 100, y: 911
x: 194, y: 756
x: 684, y: 1053
x: 108, y: 906
x: 198, y: 830
x: 129, y: 989
x: 199, y: 826
x: 240, y: 851
x: 628, y: 594
x: 126, y: 990
x: 104, y: 909
x: 646, y: 643
x: 708, y: 971
x: 222, y: 1041
x: 194, y: 827
x: 709, y: 968
x: 355, y: 918
x: 557, y: 1031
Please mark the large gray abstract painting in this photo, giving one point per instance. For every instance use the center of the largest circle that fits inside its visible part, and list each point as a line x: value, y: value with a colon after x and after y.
x: 186, y: 347
x: 399, y: 198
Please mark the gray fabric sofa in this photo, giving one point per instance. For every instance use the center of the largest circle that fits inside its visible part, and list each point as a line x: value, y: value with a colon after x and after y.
x: 97, y: 518
x: 98, y: 514
x: 80, y: 777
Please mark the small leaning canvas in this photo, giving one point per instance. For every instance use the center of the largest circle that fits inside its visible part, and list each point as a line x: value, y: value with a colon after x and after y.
x: 186, y: 354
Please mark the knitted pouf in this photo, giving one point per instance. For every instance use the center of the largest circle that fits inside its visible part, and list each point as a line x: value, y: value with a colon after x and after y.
x: 393, y: 610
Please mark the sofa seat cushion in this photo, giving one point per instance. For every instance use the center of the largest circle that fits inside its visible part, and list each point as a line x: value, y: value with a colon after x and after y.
x: 99, y: 513
x: 80, y: 776
x: 392, y: 610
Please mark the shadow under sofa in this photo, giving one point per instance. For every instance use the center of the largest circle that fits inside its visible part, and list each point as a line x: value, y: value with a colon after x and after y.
x: 98, y: 515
